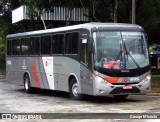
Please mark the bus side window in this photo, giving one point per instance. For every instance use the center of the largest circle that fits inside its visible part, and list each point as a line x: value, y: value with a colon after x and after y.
x: 57, y: 44
x: 54, y: 47
x: 25, y: 44
x: 46, y: 45
x: 84, y: 50
x: 34, y: 50
x: 16, y: 43
x: 60, y: 44
x: 71, y: 43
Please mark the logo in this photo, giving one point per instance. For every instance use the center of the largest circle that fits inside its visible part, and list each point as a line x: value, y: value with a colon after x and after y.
x: 21, y: 116
x: 6, y: 116
x: 134, y: 79
x: 81, y: 67
x: 124, y: 80
x: 122, y: 66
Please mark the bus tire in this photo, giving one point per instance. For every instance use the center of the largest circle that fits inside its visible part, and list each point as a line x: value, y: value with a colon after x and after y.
x: 120, y: 97
x: 27, y: 86
x: 73, y: 90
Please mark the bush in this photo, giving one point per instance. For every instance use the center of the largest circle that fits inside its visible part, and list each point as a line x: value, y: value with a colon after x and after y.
x: 2, y: 50
x: 2, y: 69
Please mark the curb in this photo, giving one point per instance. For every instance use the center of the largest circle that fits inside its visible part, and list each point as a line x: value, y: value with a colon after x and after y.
x: 2, y: 76
x: 153, y: 94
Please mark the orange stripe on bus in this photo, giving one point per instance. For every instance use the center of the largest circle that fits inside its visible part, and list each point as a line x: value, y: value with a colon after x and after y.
x: 36, y: 80
x: 112, y: 80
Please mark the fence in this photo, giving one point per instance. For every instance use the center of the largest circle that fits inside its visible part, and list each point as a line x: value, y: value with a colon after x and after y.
x: 155, y: 63
x: 2, y: 69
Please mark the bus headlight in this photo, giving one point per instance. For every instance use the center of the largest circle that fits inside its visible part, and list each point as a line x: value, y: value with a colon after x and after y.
x: 146, y: 79
x: 101, y: 80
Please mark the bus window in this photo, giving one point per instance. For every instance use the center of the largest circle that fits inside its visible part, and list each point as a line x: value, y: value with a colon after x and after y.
x: 54, y: 46
x: 34, y: 50
x: 84, y: 51
x: 16, y: 46
x: 9, y: 47
x: 71, y: 43
x: 46, y: 45
x: 57, y: 44
x: 25, y: 44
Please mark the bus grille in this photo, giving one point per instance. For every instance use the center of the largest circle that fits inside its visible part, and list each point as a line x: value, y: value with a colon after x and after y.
x: 120, y: 90
x: 125, y: 83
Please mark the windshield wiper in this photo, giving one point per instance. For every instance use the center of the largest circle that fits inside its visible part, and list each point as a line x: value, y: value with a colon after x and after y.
x: 127, y: 53
x: 119, y: 54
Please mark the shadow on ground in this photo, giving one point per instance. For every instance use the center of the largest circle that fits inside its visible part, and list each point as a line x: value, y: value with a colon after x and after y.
x: 87, y: 98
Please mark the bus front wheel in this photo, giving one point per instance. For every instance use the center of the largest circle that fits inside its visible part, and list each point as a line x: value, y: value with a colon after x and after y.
x: 27, y: 86
x: 73, y: 90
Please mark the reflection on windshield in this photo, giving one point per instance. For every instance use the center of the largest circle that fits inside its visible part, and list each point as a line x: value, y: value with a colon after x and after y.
x: 120, y: 50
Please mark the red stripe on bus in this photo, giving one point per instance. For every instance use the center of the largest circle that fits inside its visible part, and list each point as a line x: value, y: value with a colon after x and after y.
x: 36, y: 80
x: 112, y: 80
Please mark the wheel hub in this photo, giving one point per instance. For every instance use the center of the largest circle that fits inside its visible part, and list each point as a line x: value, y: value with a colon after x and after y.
x: 75, y: 89
x: 26, y: 84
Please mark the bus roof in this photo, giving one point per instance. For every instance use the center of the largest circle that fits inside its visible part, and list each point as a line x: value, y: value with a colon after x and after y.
x: 89, y: 26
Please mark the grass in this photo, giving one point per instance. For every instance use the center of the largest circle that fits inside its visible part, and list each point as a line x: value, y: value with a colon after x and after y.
x: 2, y: 70
x: 155, y: 84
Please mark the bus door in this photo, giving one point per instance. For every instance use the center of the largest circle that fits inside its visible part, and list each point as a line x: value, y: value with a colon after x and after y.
x: 85, y: 73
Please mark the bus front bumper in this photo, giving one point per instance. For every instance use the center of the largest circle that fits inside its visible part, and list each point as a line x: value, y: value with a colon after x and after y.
x: 104, y: 89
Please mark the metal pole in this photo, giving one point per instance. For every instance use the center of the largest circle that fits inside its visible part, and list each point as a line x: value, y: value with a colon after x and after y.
x: 133, y: 12
x: 43, y: 22
x: 115, y: 11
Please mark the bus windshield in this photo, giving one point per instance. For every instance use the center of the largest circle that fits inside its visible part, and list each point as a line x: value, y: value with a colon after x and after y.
x: 120, y: 50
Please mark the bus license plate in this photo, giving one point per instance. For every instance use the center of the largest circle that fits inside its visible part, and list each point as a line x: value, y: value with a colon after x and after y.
x: 127, y: 87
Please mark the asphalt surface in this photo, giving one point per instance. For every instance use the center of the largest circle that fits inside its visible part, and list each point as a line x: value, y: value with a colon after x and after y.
x: 13, y: 99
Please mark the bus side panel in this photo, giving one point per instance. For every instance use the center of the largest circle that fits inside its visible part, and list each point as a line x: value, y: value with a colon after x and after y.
x: 48, y: 72
x: 63, y: 68
x: 39, y: 73
x: 86, y: 80
x: 16, y: 67
x: 14, y: 72
x: 36, y: 72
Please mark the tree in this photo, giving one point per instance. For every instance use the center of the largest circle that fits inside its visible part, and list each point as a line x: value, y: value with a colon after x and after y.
x: 5, y: 23
x: 2, y: 52
x: 147, y: 14
x: 148, y: 17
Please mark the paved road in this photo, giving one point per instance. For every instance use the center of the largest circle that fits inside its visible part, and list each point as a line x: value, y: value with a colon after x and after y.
x: 14, y: 99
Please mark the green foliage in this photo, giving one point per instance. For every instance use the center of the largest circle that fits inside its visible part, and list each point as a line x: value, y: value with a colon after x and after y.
x: 3, y: 33
x: 156, y: 48
x: 2, y: 69
x: 2, y: 51
x: 156, y: 79
x: 5, y: 23
x: 147, y: 14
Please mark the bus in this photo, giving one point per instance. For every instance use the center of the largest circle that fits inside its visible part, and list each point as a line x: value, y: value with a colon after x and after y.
x: 99, y: 59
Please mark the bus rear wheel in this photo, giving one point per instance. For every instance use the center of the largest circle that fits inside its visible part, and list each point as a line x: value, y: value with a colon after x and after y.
x: 73, y: 90
x: 27, y: 86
